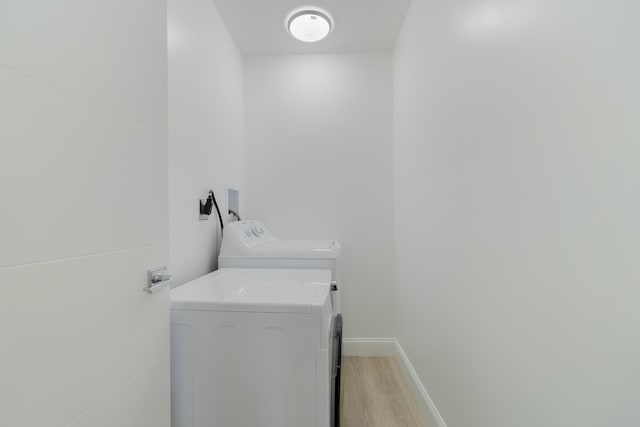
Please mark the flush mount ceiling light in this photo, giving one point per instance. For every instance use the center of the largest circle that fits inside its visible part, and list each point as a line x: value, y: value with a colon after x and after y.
x: 309, y: 25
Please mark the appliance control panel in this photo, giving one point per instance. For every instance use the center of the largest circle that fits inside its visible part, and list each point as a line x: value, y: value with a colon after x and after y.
x: 251, y: 233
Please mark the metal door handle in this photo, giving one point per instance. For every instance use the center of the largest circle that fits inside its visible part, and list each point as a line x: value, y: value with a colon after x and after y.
x: 158, y: 279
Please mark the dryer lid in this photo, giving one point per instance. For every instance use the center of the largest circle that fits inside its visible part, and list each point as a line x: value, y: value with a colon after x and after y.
x: 254, y: 290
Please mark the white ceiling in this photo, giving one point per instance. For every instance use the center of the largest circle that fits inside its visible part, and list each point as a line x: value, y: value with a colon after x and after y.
x: 258, y: 26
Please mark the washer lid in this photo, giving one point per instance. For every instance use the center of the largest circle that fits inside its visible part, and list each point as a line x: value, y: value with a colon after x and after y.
x: 254, y: 290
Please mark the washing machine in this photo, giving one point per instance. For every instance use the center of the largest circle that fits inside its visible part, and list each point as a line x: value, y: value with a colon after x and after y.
x: 253, y: 347
x: 248, y: 244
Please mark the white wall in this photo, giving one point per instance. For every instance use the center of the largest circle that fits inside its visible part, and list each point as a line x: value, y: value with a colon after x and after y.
x: 206, y: 130
x: 517, y: 182
x: 83, y: 213
x: 318, y: 159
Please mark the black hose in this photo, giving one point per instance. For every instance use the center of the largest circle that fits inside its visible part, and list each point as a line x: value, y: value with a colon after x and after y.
x: 215, y: 203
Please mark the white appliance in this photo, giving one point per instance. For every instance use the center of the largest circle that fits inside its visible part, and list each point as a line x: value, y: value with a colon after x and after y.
x: 253, y: 347
x: 248, y: 244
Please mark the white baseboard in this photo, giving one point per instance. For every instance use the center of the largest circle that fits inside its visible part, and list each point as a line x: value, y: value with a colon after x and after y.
x: 390, y: 347
x: 370, y: 347
x: 419, y: 391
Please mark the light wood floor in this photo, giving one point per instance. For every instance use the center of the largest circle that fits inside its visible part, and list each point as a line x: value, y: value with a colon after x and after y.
x: 375, y: 394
